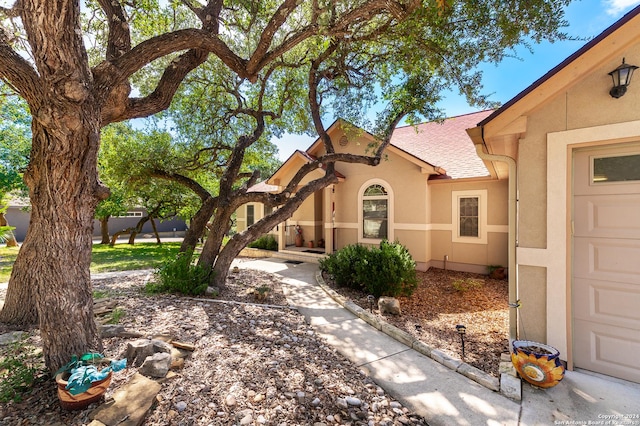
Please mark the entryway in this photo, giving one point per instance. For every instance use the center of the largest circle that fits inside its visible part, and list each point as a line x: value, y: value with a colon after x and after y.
x: 606, y: 260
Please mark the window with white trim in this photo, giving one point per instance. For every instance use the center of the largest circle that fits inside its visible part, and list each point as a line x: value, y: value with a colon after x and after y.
x: 251, y: 215
x: 375, y: 207
x: 469, y: 216
x: 375, y: 212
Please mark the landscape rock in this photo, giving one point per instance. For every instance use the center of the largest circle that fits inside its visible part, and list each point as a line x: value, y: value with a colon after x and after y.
x: 353, y: 401
x: 12, y: 337
x: 389, y: 305
x: 156, y: 365
x: 111, y: 330
x: 138, y: 351
x: 132, y: 401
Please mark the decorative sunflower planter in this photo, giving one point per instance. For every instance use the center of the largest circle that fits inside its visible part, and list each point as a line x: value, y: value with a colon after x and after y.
x: 537, y: 363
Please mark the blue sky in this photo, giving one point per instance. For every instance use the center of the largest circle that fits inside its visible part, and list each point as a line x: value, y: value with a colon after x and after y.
x: 587, y: 18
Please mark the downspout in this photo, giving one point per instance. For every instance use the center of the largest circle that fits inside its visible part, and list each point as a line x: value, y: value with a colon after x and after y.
x: 513, y: 227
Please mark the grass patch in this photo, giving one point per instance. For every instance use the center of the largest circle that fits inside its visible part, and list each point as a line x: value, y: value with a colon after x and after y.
x: 125, y: 257
x: 7, y: 257
x: 116, y: 315
x: 121, y: 257
x: 100, y: 294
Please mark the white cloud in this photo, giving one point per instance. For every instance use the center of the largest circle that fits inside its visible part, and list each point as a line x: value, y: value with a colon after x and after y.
x: 617, y: 7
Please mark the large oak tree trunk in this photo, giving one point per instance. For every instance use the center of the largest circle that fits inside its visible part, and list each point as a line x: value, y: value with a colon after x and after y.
x: 64, y: 193
x: 52, y: 267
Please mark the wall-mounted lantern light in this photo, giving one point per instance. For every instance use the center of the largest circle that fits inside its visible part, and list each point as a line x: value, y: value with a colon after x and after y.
x: 621, y: 78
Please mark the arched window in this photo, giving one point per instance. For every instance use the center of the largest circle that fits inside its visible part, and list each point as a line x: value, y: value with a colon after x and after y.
x: 375, y: 213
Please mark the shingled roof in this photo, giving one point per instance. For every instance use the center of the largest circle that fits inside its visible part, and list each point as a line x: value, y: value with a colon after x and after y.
x: 445, y: 144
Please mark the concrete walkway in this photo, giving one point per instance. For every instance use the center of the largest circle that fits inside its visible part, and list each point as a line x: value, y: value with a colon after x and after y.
x: 439, y: 394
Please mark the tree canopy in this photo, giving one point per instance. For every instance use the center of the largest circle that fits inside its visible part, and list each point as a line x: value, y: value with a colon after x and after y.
x: 83, y: 65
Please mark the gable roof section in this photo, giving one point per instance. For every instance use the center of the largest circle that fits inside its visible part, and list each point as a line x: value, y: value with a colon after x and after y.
x: 437, y: 147
x: 445, y: 145
x: 572, y: 68
x: 426, y: 166
x: 263, y: 187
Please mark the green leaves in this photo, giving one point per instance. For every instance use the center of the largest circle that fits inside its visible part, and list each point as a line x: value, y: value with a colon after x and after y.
x: 388, y: 270
x: 15, y: 143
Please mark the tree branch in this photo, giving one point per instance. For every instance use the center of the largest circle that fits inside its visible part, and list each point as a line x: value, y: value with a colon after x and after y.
x: 119, y: 37
x: 16, y: 72
x: 183, y: 180
x: 278, y: 18
x: 161, y: 97
x: 109, y: 72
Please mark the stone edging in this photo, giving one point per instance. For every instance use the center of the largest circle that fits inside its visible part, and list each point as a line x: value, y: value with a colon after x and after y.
x: 402, y: 336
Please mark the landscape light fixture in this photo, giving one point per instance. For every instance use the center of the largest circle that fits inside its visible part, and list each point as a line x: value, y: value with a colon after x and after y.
x: 371, y: 299
x: 462, y: 330
x: 621, y: 77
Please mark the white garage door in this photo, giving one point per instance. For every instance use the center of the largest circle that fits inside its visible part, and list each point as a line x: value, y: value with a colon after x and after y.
x: 606, y: 260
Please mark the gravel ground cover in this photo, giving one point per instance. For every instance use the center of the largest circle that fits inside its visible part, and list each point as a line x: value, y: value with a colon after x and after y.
x: 253, y: 364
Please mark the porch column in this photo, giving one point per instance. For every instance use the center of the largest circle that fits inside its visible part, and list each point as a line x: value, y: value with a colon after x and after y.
x: 282, y: 235
x: 327, y: 218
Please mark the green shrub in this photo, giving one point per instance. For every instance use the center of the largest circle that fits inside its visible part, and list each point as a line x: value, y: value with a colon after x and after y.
x: 340, y: 265
x: 18, y: 373
x: 266, y: 242
x: 388, y: 271
x: 385, y: 271
x: 180, y: 276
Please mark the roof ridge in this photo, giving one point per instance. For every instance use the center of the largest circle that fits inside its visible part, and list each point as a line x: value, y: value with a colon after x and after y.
x: 446, y: 118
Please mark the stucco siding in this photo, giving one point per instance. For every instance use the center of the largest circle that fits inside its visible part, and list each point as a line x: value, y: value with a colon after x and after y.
x: 532, y: 322
x: 581, y: 106
x: 532, y: 173
x: 469, y: 256
x: 406, y: 186
x: 589, y: 103
x: 499, y: 249
x: 416, y: 242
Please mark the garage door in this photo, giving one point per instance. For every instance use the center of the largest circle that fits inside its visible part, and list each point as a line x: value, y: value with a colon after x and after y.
x: 606, y: 260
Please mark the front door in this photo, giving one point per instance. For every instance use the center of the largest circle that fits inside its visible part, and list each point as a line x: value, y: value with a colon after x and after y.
x: 606, y: 260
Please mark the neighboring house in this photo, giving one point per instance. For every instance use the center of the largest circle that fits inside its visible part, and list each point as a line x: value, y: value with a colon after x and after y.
x: 430, y: 192
x: 577, y: 164
x: 18, y: 216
